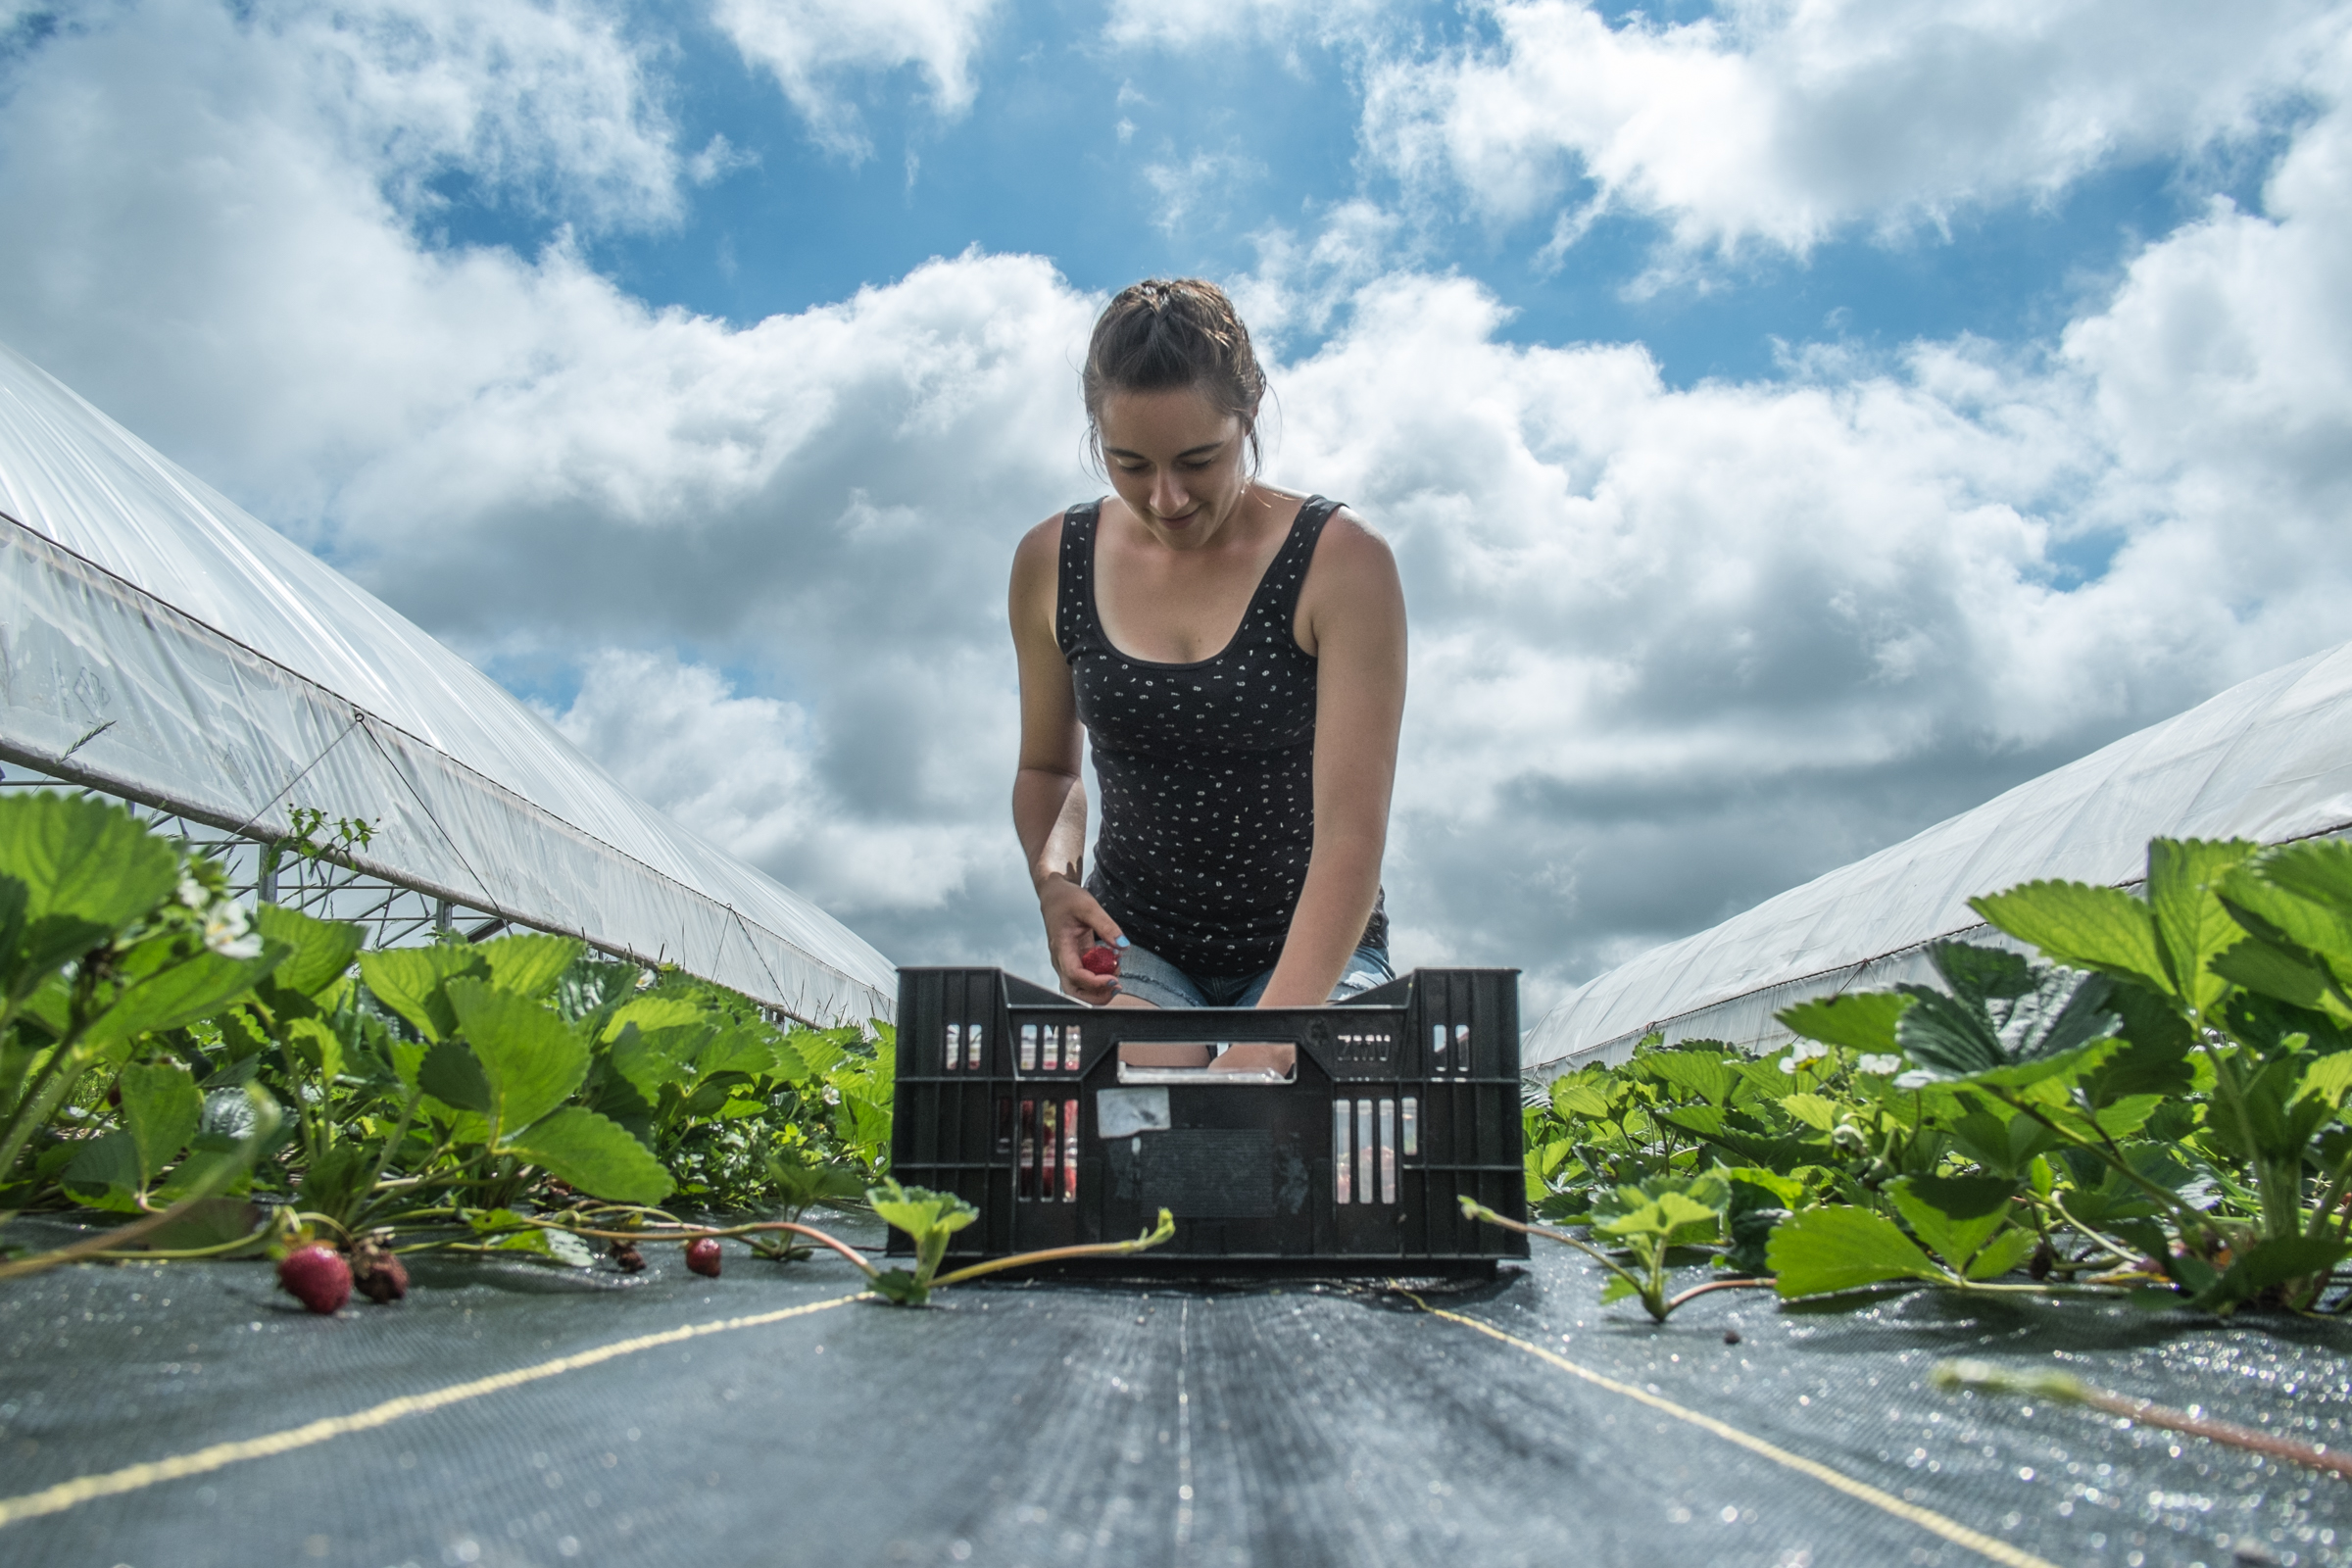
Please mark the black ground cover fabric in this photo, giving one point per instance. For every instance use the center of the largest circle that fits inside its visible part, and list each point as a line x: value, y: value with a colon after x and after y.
x: 1130, y: 1424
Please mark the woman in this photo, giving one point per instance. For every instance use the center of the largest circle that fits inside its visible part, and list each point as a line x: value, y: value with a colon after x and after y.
x: 1237, y: 654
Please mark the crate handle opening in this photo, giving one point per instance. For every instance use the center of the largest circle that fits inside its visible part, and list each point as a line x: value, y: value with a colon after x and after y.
x: 1202, y: 1062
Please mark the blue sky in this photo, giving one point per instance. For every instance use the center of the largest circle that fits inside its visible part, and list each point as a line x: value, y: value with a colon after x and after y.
x: 1038, y: 164
x: 1795, y: 423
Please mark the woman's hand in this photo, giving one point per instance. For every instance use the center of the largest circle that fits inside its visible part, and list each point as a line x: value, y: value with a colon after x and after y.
x: 1075, y: 922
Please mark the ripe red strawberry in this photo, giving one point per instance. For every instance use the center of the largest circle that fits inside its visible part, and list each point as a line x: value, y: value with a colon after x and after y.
x: 702, y: 1256
x: 315, y: 1276
x: 626, y: 1256
x: 1099, y: 960
x: 378, y: 1272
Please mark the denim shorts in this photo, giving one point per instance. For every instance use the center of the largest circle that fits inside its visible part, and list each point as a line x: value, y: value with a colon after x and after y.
x: 1147, y: 977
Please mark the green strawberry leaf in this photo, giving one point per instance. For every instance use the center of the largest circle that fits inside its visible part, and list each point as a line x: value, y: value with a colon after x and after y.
x: 318, y: 952
x: 595, y: 1154
x: 2083, y: 927
x: 529, y: 966
x: 2004, y: 1252
x: 1820, y: 1250
x: 1862, y: 1022
x: 409, y: 981
x: 530, y: 1057
x: 161, y: 1109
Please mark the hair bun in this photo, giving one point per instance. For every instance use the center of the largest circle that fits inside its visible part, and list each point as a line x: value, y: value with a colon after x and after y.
x: 1163, y: 333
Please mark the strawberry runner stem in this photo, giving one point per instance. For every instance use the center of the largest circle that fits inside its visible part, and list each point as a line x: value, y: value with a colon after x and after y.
x: 691, y: 1233
x: 1164, y: 1230
x: 1765, y: 1281
x: 1650, y: 1301
x: 1984, y: 1377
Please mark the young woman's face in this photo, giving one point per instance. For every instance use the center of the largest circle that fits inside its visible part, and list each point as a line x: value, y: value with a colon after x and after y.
x: 1176, y: 458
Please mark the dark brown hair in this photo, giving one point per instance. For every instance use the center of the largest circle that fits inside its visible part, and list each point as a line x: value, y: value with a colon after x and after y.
x: 1165, y: 333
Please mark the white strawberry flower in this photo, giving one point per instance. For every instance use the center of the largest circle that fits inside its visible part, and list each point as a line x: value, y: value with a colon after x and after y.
x: 192, y: 894
x: 226, y: 933
x: 1802, y: 1051
x: 1879, y: 1064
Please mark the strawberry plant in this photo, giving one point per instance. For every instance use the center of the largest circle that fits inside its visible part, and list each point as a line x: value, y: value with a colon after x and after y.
x: 450, y: 1096
x: 2148, y: 1099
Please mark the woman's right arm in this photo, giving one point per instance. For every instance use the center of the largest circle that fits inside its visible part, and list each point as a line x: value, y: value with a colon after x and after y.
x: 1049, y: 792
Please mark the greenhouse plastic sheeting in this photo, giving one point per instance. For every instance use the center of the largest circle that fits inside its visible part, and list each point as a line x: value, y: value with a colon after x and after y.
x: 187, y: 1415
x: 2270, y: 759
x: 159, y: 643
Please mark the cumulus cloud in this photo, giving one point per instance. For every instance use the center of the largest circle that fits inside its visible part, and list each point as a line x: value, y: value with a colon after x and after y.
x: 547, y: 102
x: 1784, y: 124
x: 811, y: 45
x: 1198, y: 24
x: 748, y: 772
x: 1677, y: 649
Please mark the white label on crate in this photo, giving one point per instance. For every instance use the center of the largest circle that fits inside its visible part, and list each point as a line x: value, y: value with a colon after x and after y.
x: 1124, y: 1112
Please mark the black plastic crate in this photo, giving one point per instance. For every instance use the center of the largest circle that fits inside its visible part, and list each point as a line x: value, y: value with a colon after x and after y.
x: 1345, y: 1152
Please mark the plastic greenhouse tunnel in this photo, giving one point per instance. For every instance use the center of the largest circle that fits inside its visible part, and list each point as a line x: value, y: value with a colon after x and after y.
x: 415, y: 1149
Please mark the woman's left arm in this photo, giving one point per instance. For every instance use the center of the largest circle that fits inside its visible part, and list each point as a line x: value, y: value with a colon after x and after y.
x: 1352, y: 608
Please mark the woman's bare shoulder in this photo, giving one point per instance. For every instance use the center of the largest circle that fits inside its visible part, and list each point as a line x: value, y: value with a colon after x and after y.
x: 1354, y: 546
x: 1352, y: 585
x: 1036, y: 576
x: 1040, y: 549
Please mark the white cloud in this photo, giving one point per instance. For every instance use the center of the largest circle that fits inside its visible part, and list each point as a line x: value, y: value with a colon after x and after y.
x: 548, y: 101
x: 719, y: 159
x: 1199, y: 24
x: 811, y: 45
x: 1783, y: 125
x: 1679, y: 649
x: 231, y: 202
x: 1180, y: 189
x: 747, y: 772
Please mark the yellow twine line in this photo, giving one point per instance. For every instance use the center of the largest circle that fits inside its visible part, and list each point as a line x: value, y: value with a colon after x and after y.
x: 1927, y: 1519
x: 132, y: 1478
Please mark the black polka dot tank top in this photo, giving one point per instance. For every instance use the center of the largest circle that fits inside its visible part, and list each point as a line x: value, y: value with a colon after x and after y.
x: 1206, y: 769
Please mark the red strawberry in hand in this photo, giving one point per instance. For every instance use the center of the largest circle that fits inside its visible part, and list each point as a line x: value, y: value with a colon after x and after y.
x: 1099, y: 960
x: 315, y: 1276
x: 702, y: 1256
